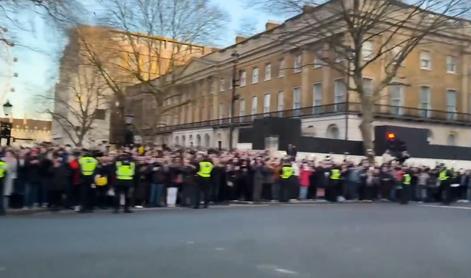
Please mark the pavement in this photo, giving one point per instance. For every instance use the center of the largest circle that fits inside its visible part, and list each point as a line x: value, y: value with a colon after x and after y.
x: 297, y: 240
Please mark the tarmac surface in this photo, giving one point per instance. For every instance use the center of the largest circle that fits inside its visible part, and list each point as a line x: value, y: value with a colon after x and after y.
x: 326, y: 241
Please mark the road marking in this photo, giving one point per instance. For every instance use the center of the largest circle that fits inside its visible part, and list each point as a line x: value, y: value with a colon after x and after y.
x: 286, y: 271
x: 446, y: 207
x: 219, y: 249
x: 190, y: 242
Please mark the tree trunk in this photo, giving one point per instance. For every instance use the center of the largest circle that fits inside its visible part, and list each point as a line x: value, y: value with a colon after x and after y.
x: 366, y: 126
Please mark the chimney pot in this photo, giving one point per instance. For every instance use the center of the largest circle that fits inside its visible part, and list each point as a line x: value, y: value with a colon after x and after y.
x: 270, y: 25
x: 240, y: 39
x: 308, y: 8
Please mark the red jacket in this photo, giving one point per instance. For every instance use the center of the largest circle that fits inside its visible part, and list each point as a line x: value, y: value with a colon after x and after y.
x: 75, y: 168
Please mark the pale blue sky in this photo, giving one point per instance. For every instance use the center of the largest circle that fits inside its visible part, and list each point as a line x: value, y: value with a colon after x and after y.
x: 37, y: 70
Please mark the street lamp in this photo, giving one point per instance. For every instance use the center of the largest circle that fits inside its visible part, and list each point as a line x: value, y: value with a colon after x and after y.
x: 129, y: 134
x: 7, y: 107
x: 129, y: 118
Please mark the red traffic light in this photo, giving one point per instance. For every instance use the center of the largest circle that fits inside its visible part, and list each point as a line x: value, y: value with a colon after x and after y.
x: 391, y: 136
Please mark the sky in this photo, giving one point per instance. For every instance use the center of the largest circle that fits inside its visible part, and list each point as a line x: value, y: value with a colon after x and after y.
x: 36, y: 68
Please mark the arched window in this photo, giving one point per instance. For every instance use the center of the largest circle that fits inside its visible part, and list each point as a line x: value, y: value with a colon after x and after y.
x: 198, y: 140
x: 207, y: 140
x: 309, y: 131
x: 177, y: 140
x: 333, y: 132
x: 183, y: 141
x: 452, y: 139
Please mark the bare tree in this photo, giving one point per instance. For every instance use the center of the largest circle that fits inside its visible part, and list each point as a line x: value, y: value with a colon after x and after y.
x: 351, y: 36
x: 149, y: 42
x: 77, y: 106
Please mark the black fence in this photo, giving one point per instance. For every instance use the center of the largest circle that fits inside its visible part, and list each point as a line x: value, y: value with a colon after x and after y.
x: 379, y: 111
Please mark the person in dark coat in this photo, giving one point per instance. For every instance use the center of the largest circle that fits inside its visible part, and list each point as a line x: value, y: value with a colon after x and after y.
x: 58, y: 182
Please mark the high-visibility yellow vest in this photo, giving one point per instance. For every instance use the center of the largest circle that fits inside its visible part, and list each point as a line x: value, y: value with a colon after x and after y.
x: 3, y: 169
x: 286, y: 172
x: 443, y: 175
x: 334, y: 174
x: 407, y: 178
x: 205, y: 169
x: 125, y: 172
x: 88, y: 165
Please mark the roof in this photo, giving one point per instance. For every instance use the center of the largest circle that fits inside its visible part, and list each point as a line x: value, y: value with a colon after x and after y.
x: 29, y: 123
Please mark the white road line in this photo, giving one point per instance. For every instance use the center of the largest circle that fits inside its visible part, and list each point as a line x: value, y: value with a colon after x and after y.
x: 286, y: 271
x: 219, y: 249
x: 446, y: 207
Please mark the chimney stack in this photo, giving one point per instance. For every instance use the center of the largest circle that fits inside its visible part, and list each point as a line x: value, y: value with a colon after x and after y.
x: 308, y: 8
x: 240, y: 39
x: 270, y: 25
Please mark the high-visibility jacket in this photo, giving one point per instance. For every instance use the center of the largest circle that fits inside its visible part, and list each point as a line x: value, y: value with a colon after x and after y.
x: 125, y: 172
x: 406, y: 179
x: 3, y: 169
x: 286, y: 172
x: 443, y: 175
x: 88, y: 165
x: 334, y: 174
x: 205, y: 169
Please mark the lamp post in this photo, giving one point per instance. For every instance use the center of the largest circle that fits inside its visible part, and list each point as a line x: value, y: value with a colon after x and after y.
x: 5, y: 126
x: 234, y: 97
x: 129, y: 134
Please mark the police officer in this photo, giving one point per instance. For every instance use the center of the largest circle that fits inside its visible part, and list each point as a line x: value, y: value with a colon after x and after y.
x: 334, y: 184
x: 125, y: 170
x: 203, y: 178
x: 88, y: 166
x: 405, y: 187
x: 286, y: 180
x: 3, y: 173
x: 445, y: 185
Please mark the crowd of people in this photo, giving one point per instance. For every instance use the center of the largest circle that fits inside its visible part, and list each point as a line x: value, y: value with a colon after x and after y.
x: 53, y: 177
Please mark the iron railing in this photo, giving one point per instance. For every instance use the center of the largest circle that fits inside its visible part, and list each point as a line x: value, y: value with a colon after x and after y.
x: 380, y: 112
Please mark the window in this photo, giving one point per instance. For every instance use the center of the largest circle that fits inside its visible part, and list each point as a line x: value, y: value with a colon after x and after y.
x: 254, y: 107
x: 339, y: 92
x: 212, y: 86
x: 230, y: 83
x: 280, y: 103
x: 281, y: 70
x: 425, y: 60
x: 424, y: 101
x: 243, y: 78
x: 296, y: 100
x: 317, y: 62
x: 450, y: 64
x: 221, y: 111
x: 397, y: 52
x: 368, y: 86
x: 317, y: 98
x: 451, y: 140
x: 367, y: 50
x: 267, y: 72
x: 396, y: 92
x: 222, y: 84
x: 266, y: 104
x: 298, y: 59
x: 451, y: 104
x: 242, y: 107
x: 255, y: 76
x: 100, y: 114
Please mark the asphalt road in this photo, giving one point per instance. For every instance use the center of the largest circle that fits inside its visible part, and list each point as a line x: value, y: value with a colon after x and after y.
x: 327, y: 241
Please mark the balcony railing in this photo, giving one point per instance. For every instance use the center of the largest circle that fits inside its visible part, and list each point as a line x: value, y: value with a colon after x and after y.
x: 380, y: 112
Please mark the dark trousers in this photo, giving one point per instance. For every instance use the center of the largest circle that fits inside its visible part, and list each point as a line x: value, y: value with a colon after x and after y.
x: 101, y: 196
x: 446, y: 193
x: 405, y: 194
x: 86, y: 195
x: 118, y: 191
x: 2, y: 198
x: 285, y: 189
x: 55, y: 198
x: 332, y: 190
x: 202, y: 188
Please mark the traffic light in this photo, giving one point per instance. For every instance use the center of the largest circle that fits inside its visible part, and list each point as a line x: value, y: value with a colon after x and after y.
x: 391, y: 136
x: 397, y: 147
